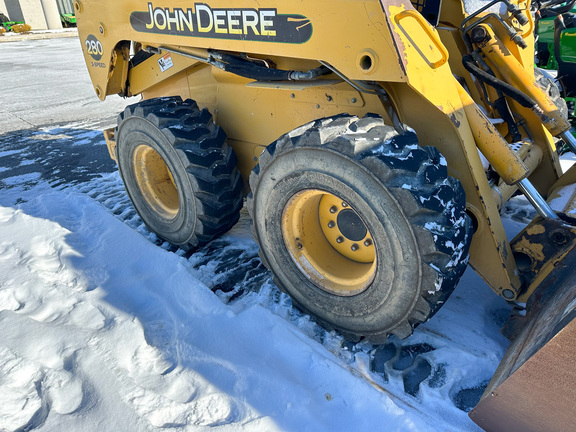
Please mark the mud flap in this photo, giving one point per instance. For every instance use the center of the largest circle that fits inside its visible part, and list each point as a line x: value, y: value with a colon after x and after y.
x: 533, y: 388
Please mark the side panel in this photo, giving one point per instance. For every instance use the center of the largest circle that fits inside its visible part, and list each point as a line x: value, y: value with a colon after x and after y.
x: 321, y: 29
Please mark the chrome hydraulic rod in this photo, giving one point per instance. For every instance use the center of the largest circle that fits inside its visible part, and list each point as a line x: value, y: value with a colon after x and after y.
x: 536, y: 199
x: 569, y: 139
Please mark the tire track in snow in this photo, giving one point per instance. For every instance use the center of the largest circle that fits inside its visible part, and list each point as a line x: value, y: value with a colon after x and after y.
x: 230, y: 267
x: 422, y: 365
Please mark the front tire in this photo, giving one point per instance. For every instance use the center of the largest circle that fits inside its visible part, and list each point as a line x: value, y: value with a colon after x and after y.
x: 360, y: 226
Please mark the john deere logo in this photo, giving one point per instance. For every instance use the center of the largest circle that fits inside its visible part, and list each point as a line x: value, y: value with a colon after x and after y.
x: 94, y: 47
x: 242, y: 24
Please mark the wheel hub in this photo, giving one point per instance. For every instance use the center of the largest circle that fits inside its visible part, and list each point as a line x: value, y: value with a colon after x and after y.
x: 329, y: 242
x: 155, y: 181
x: 350, y: 225
x: 345, y: 230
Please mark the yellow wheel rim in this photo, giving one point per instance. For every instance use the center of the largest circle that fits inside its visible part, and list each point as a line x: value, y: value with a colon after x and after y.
x: 329, y: 242
x: 155, y: 181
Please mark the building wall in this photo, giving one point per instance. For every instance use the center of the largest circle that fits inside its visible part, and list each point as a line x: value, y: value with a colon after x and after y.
x: 3, y: 9
x: 29, y: 11
x: 13, y: 10
x: 51, y: 14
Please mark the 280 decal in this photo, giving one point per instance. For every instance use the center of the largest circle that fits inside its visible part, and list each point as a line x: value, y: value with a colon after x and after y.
x: 94, y: 47
x: 95, y: 50
x: 242, y: 24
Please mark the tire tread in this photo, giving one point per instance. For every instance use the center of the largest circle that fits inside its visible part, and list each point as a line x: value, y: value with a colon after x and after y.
x: 417, y: 177
x: 210, y: 162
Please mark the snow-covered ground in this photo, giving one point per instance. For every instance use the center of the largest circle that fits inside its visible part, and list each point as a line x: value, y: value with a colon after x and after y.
x: 103, y: 327
x: 104, y: 330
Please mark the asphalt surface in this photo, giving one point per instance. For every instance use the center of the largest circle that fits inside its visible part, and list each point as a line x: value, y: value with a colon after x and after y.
x: 43, y: 82
x: 50, y: 117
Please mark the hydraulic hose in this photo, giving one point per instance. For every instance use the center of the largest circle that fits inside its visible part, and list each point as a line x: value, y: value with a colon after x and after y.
x: 248, y: 69
x: 244, y: 67
x: 501, y: 104
x: 548, y: 12
x: 520, y: 97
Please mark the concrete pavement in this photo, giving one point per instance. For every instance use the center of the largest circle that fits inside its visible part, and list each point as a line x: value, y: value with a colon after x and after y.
x: 44, y: 82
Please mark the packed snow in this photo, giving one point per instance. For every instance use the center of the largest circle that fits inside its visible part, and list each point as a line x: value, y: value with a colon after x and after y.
x: 104, y: 330
x: 104, y: 327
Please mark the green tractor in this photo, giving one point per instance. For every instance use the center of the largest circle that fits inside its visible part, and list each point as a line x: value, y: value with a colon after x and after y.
x: 556, y: 28
x: 68, y: 20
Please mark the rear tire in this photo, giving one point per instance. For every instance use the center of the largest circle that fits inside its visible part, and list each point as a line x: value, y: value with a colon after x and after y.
x: 178, y: 171
x: 360, y: 226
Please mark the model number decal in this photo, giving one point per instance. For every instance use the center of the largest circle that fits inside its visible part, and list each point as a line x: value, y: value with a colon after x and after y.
x: 243, y: 24
x: 94, y: 47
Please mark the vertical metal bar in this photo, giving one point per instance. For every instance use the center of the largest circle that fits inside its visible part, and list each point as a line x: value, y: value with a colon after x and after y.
x: 536, y: 199
x: 569, y: 139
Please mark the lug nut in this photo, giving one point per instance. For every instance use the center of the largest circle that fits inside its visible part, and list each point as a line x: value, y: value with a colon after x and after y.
x: 344, y: 204
x: 299, y: 245
x: 367, y: 242
x: 340, y: 239
x: 331, y: 224
x: 333, y: 209
x: 355, y: 247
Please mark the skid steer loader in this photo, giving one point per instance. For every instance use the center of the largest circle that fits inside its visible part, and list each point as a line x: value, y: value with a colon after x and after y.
x: 376, y: 142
